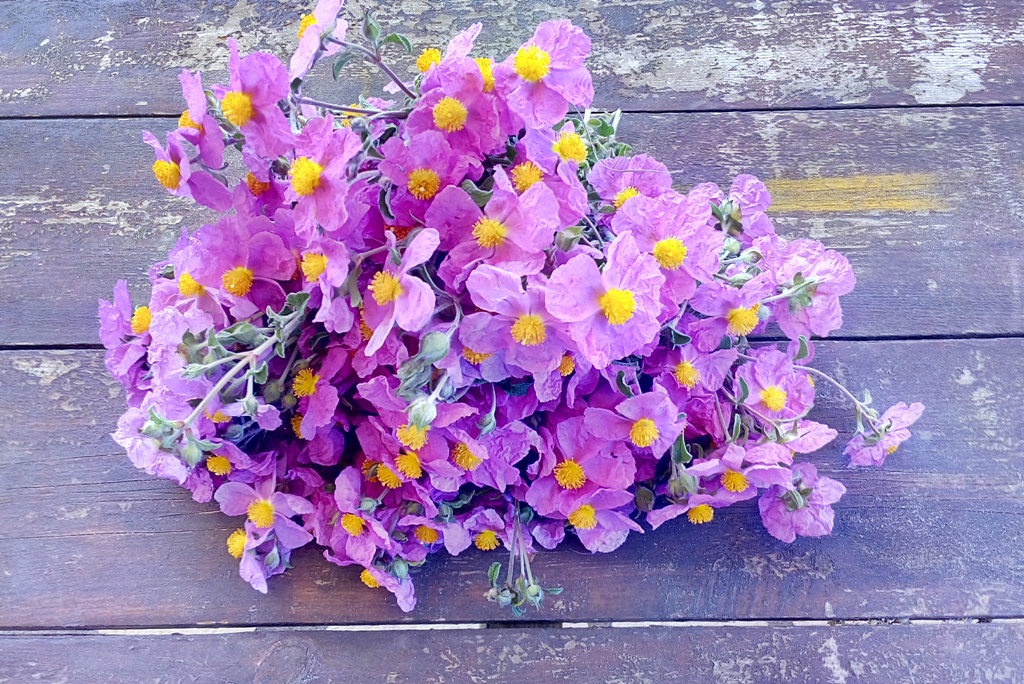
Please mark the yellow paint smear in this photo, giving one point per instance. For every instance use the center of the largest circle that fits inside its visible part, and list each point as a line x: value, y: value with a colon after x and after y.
x: 889, y: 192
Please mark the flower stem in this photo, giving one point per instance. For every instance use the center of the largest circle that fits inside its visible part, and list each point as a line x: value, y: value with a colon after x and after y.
x: 373, y: 57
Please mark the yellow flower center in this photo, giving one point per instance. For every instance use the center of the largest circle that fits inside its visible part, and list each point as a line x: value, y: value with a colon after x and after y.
x: 237, y: 107
x: 525, y: 175
x: 475, y: 358
x: 427, y: 59
x: 353, y: 524
x: 313, y: 265
x: 141, y: 320
x: 625, y: 195
x: 304, y: 384
x: 487, y: 71
x: 424, y: 183
x: 255, y: 185
x: 701, y: 514
x: 570, y: 475
x: 670, y: 253
x: 168, y: 173
x: 644, y: 432
x: 411, y: 436
x: 261, y: 513
x: 464, y: 458
x: 773, y: 397
x: 583, y: 518
x: 364, y: 329
x: 529, y: 331
x: 532, y: 63
x: 566, y: 366
x: 236, y: 543
x: 296, y: 423
x: 367, y: 578
x: 686, y: 374
x: 570, y: 147
x: 388, y: 477
x: 400, y: 232
x: 618, y: 306
x: 217, y: 417
x: 489, y: 232
x: 892, y: 450
x: 305, y: 175
x: 409, y: 465
x: 385, y: 288
x: 218, y: 465
x: 307, y: 21
x: 486, y: 540
x: 185, y: 121
x: 742, y: 320
x: 188, y: 287
x: 238, y: 281
x: 426, y: 535
x: 734, y: 481
x: 450, y: 115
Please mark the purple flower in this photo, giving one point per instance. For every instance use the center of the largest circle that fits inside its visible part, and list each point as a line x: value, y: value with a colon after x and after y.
x: 619, y: 179
x: 420, y: 170
x: 318, y: 172
x: 731, y: 311
x: 546, y: 74
x: 776, y: 389
x: 257, y: 83
x: 648, y: 421
x: 394, y: 296
x: 318, y: 398
x: 521, y: 326
x: 197, y: 125
x: 614, y: 312
x: 325, y: 269
x: 867, y: 449
x: 266, y: 509
x: 686, y: 249
x: 323, y: 21
x: 511, y: 231
x: 686, y: 369
x: 804, y: 508
x: 174, y: 171
x: 357, y: 535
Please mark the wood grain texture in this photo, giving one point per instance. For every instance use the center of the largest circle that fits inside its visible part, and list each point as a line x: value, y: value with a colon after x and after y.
x: 89, y: 541
x: 793, y: 654
x: 922, y: 202
x: 123, y: 56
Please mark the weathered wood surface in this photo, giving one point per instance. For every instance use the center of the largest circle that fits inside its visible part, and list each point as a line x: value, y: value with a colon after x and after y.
x: 921, y: 201
x: 89, y: 541
x: 122, y: 56
x: 790, y: 654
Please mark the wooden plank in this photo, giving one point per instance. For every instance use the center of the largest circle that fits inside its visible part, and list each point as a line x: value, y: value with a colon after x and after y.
x: 924, y: 654
x: 907, y: 195
x: 89, y: 541
x: 122, y: 57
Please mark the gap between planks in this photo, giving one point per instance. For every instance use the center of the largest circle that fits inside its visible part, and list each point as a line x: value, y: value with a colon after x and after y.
x: 464, y: 626
x: 738, y: 110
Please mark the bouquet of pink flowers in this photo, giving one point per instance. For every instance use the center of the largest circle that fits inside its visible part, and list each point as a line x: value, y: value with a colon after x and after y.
x: 466, y: 315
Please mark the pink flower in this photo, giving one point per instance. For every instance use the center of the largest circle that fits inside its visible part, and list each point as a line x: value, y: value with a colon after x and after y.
x: 804, y: 508
x: 614, y: 312
x: 511, y: 231
x: 686, y: 249
x: 619, y: 179
x: 257, y: 83
x: 546, y: 74
x: 866, y: 449
x: 357, y: 536
x: 647, y: 421
x: 318, y: 398
x: 318, y: 172
x: 732, y: 311
x: 776, y: 389
x: 323, y: 21
x: 521, y: 326
x: 420, y: 169
x: 394, y: 296
x: 174, y: 171
x: 266, y: 509
x: 197, y: 125
x: 686, y: 369
x: 324, y: 265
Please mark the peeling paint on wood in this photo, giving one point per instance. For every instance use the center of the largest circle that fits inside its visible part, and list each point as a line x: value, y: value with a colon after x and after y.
x: 122, y: 58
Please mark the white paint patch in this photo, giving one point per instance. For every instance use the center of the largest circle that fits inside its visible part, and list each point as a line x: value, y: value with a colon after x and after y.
x: 830, y: 659
x: 948, y: 75
x: 46, y: 368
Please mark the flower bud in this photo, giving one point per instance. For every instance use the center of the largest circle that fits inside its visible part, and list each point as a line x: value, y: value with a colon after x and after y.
x: 288, y: 401
x: 400, y: 568
x: 422, y: 412
x: 191, y: 453
x: 434, y: 346
x: 250, y: 406
x: 368, y: 505
x: 272, y: 391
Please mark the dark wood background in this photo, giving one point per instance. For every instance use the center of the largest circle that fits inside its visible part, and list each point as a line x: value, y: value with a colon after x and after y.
x: 891, y: 130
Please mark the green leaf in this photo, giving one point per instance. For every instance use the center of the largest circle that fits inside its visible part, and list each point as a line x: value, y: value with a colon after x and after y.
x: 620, y: 382
x: 804, y: 351
x: 744, y: 391
x: 680, y: 453
x: 243, y: 333
x: 343, y: 59
x: 481, y: 197
x: 493, y: 573
x: 398, y: 39
x: 260, y: 374
x: 371, y: 29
